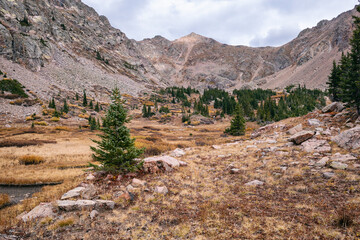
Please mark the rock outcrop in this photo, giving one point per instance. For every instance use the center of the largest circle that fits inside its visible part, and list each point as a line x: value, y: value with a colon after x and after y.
x: 349, y: 139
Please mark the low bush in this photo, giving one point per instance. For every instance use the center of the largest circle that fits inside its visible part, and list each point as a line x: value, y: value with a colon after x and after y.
x: 23, y: 143
x: 13, y: 86
x: 31, y: 160
x: 40, y: 123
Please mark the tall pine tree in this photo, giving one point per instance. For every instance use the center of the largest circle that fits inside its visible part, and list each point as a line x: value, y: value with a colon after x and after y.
x: 116, y: 150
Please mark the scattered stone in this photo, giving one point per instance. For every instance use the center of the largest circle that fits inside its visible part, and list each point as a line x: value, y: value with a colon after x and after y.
x: 343, y: 158
x: 76, y: 192
x: 104, y: 204
x: 129, y: 188
x: 327, y: 132
x: 314, y: 145
x: 349, y: 125
x: 7, y: 125
x: 109, y: 177
x: 178, y: 153
x: 283, y: 168
x: 217, y: 147
x: 295, y: 129
x: 234, y: 170
x: 94, y: 214
x: 328, y: 174
x: 333, y: 107
x: 89, y: 192
x: 254, y: 183
x: 137, y: 182
x: 182, y: 163
x: 322, y: 162
x: 314, y: 122
x: 349, y: 139
x: 301, y: 137
x: 271, y: 141
x: 41, y: 211
x: 338, y: 165
x: 172, y: 162
x: 161, y: 190
x: 90, y: 177
x: 356, y: 165
x: 119, y: 178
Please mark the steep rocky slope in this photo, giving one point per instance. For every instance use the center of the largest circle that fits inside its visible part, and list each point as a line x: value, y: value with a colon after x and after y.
x: 64, y: 45
x: 204, y: 62
x: 68, y: 44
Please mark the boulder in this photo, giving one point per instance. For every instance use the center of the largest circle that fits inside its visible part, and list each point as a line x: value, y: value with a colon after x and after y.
x: 90, y: 177
x: 217, y: 147
x: 234, y: 170
x: 322, y: 162
x: 328, y: 174
x: 69, y: 205
x: 342, y: 158
x: 254, y: 183
x: 178, y: 153
x: 349, y: 139
x: 314, y: 122
x: 315, y: 145
x: 161, y: 190
x: 338, y: 165
x: 172, y: 162
x: 94, y: 214
x: 295, y: 129
x: 301, y: 137
x: 104, y: 204
x: 137, y: 182
x: 41, y: 211
x: 333, y: 107
x: 89, y: 192
x: 76, y: 192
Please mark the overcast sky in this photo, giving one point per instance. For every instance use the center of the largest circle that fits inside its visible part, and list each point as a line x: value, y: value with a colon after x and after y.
x: 236, y: 22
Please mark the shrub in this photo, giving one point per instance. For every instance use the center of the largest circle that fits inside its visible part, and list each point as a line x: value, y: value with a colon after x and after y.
x: 40, y: 123
x: 55, y: 119
x: 13, y: 86
x: 31, y: 160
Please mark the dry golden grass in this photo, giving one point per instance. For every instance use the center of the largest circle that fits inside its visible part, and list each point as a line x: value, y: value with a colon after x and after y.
x: 4, y: 200
x: 48, y: 194
x: 31, y: 160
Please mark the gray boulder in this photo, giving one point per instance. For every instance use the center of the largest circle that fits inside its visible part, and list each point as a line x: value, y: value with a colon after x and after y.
x: 338, y: 165
x: 349, y: 139
x: 76, y: 192
x: 301, y: 137
x: 254, y: 183
x: 41, y: 211
x: 314, y: 145
x: 295, y: 129
x: 333, y: 107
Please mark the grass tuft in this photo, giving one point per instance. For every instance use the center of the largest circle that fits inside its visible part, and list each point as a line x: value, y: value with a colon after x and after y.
x: 31, y: 160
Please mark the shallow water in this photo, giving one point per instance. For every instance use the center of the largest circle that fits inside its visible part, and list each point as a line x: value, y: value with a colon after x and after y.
x: 19, y: 193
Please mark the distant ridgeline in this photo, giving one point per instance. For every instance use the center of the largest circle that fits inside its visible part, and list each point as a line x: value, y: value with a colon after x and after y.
x: 258, y: 105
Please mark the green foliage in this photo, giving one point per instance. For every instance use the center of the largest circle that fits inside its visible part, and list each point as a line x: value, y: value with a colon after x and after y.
x: 65, y: 107
x: 52, y: 103
x: 116, y: 150
x: 91, y: 105
x: 185, y: 118
x: 146, y: 111
x: 85, y: 103
x: 24, y: 22
x: 63, y: 27
x: 344, y: 79
x: 164, y: 109
x: 76, y: 96
x: 97, y: 109
x: 130, y: 66
x: 13, y: 86
x: 94, y: 124
x: 237, y: 127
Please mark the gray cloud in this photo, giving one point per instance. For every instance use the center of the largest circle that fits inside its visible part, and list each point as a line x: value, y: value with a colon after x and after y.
x: 245, y: 22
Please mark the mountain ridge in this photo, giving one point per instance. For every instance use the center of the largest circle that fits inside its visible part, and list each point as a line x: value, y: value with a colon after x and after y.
x: 66, y: 39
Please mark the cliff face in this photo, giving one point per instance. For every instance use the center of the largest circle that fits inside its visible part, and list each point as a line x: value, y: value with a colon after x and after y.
x: 36, y: 34
x: 67, y: 44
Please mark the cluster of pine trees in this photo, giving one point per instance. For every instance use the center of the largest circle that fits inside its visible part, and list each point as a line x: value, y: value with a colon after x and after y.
x: 344, y: 79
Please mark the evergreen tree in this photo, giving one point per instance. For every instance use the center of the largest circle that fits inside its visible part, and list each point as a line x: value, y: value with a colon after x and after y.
x: 52, y: 103
x: 149, y: 113
x: 85, y: 103
x: 145, y: 111
x: 91, y: 105
x: 237, y: 126
x: 77, y: 96
x: 65, y: 108
x: 334, y: 82
x: 116, y: 150
x: 97, y: 109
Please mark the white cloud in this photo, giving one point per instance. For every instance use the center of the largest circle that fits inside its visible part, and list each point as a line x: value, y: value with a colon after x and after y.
x: 245, y: 22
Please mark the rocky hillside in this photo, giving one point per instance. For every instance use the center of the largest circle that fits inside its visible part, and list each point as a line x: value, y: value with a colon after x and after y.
x: 64, y: 45
x: 198, y: 61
